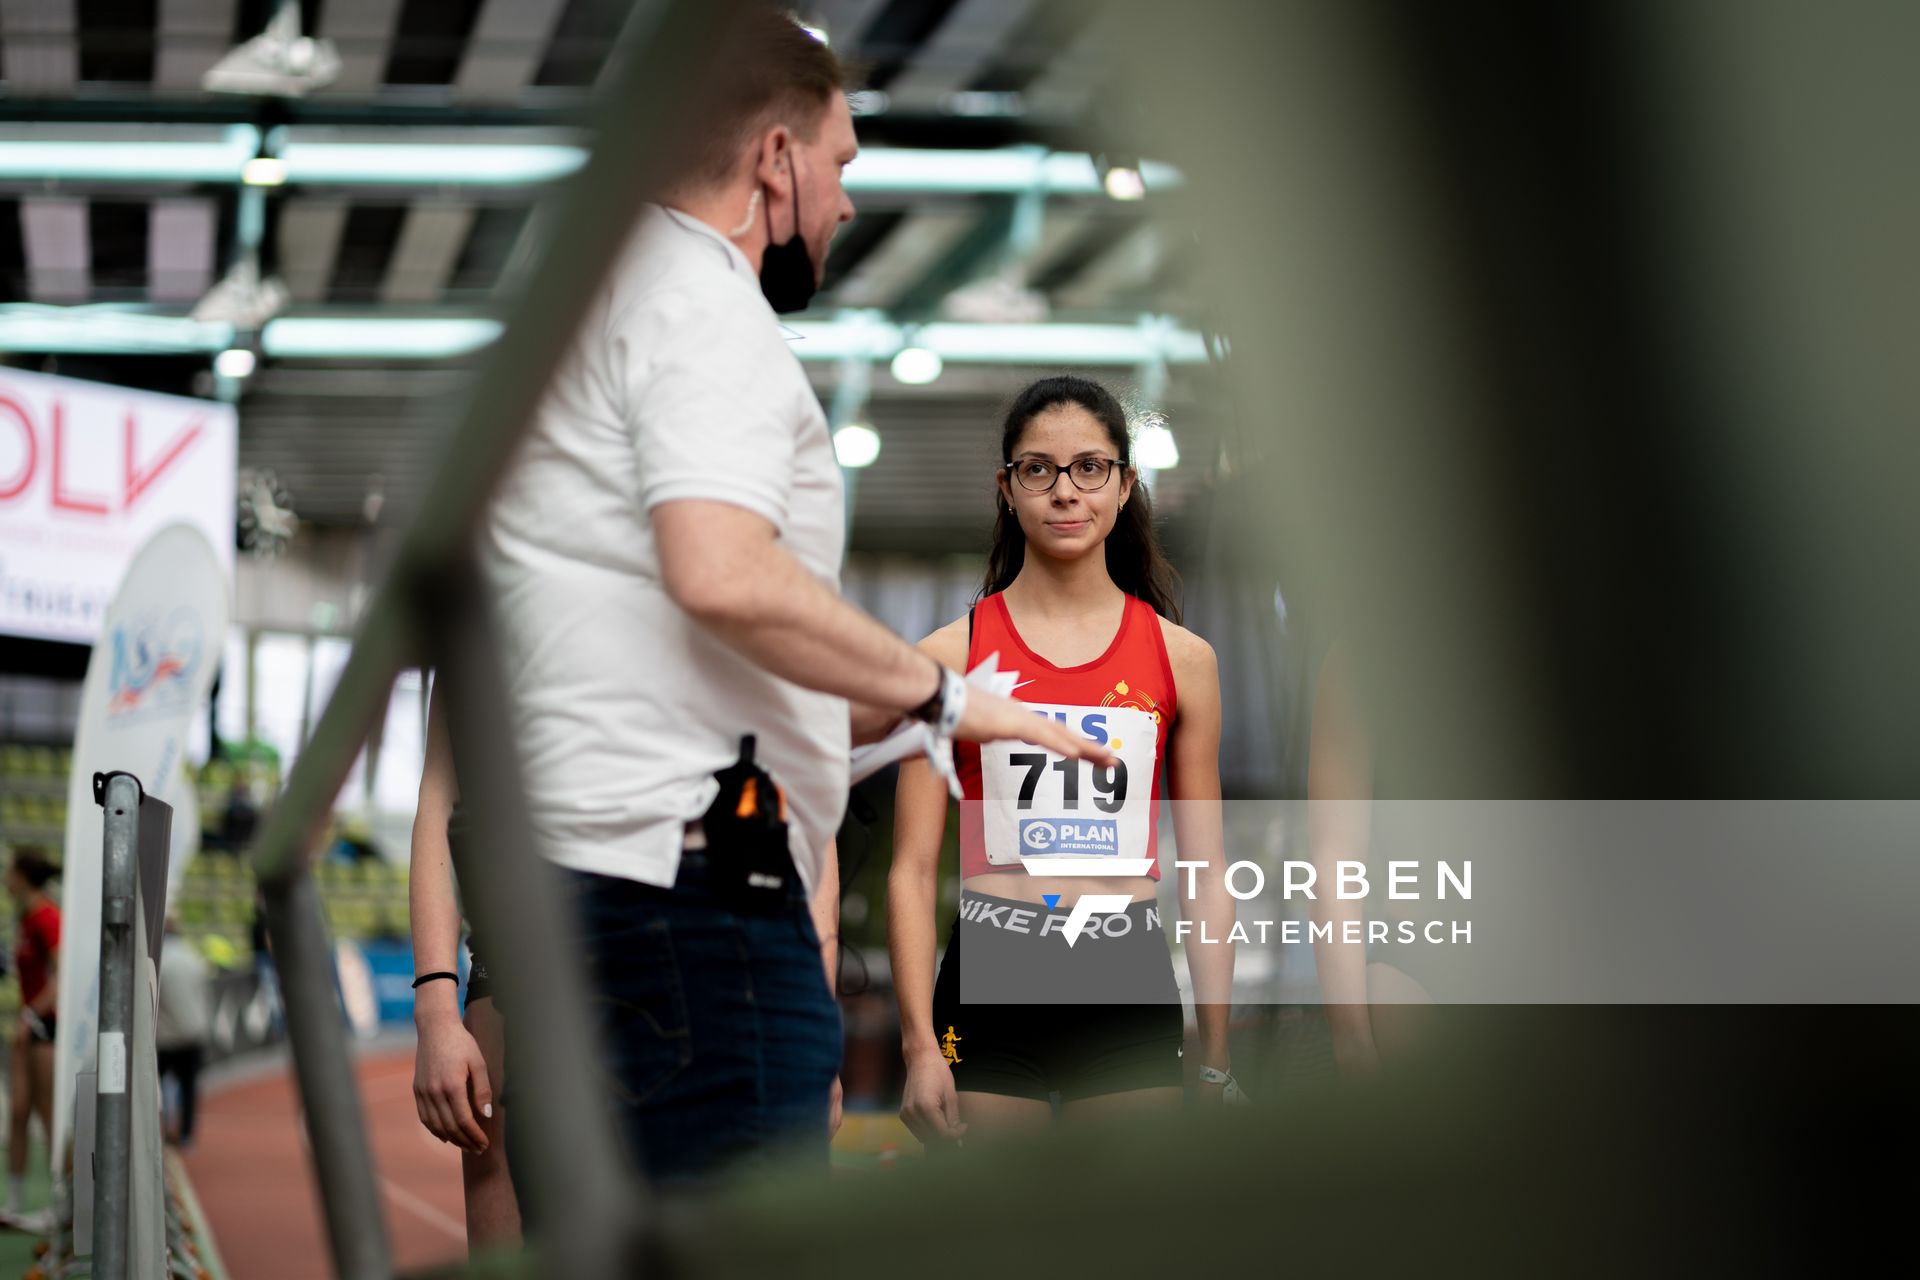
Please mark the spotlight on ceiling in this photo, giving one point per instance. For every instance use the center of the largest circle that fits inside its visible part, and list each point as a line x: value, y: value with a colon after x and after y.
x: 916, y: 366
x: 235, y: 362
x: 856, y: 445
x: 264, y: 171
x: 277, y: 63
x: 1154, y: 449
x: 1120, y: 175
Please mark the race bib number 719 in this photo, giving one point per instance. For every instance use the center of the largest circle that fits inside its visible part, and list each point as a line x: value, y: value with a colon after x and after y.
x: 1037, y: 804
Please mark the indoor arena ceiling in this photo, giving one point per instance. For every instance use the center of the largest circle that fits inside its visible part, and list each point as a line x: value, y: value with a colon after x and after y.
x: 415, y: 185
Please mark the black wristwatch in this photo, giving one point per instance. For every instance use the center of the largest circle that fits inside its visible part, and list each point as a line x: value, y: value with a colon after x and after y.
x: 929, y: 711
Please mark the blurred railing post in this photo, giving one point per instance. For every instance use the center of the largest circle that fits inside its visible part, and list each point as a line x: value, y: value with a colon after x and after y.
x: 113, y: 1104
x: 596, y: 1221
x: 127, y: 1238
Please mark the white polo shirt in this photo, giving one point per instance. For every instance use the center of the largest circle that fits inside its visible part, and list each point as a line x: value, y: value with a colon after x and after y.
x: 680, y: 386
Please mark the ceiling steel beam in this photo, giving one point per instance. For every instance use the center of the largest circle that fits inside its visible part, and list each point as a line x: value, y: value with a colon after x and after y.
x: 904, y: 256
x: 984, y: 247
x: 309, y: 241
x: 39, y: 49
x: 58, y: 247
x: 180, y: 238
x: 430, y: 244
x: 194, y: 34
x: 509, y: 41
x: 362, y: 31
x: 955, y: 55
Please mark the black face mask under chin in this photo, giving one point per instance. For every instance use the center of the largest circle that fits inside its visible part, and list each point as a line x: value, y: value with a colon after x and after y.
x: 786, y: 271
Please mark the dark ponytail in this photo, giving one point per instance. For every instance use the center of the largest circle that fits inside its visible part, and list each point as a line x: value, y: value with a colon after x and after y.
x: 1134, y: 559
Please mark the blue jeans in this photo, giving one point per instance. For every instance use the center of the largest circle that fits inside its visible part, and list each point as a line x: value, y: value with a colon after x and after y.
x: 721, y: 1039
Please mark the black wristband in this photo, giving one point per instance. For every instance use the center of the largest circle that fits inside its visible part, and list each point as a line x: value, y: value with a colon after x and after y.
x: 430, y: 977
x: 929, y: 711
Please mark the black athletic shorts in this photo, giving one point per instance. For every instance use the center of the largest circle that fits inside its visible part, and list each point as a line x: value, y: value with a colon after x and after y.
x: 1102, y: 1016
x: 479, y: 984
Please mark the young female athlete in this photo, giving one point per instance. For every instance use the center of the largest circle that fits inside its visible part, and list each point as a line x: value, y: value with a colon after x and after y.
x: 457, y: 1067
x: 1078, y: 600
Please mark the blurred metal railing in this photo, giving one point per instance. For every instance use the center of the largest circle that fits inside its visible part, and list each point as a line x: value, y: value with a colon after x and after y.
x: 590, y: 1209
x: 113, y: 1129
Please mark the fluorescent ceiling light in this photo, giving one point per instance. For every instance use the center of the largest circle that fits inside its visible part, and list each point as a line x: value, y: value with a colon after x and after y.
x: 856, y: 445
x: 376, y: 338
x: 145, y: 154
x: 900, y: 169
x: 430, y: 164
x: 916, y: 366
x: 879, y: 169
x: 861, y: 335
x: 189, y: 154
x: 1061, y: 343
x: 1007, y: 170
x: 95, y: 330
x: 110, y: 330
x: 1034, y: 344
x: 169, y: 154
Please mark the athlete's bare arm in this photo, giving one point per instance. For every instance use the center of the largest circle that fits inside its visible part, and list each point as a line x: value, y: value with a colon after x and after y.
x: 450, y: 1078
x: 726, y: 567
x: 929, y: 1106
x: 1193, y: 782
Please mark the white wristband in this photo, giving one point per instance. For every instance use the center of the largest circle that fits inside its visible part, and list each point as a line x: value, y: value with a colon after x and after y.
x: 1232, y: 1093
x: 953, y: 703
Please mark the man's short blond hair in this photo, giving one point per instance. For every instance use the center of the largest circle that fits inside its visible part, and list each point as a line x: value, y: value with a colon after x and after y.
x: 767, y: 71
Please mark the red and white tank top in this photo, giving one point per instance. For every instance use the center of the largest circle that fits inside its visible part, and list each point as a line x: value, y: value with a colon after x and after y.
x: 1022, y: 805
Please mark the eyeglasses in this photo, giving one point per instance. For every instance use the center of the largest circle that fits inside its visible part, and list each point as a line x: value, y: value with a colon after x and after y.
x: 1038, y: 475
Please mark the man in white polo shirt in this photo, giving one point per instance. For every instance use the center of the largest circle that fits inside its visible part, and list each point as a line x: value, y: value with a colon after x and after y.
x: 665, y: 561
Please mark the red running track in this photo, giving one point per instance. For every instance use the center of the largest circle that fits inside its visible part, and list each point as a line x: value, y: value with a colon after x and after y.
x: 251, y: 1170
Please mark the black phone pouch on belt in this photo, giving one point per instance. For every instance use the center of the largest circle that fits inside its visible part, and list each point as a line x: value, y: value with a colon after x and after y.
x: 746, y: 828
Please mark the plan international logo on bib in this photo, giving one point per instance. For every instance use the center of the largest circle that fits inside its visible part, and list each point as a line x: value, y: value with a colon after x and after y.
x: 1051, y: 835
